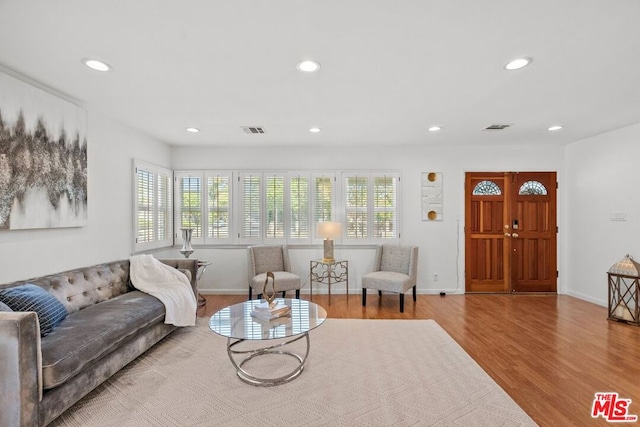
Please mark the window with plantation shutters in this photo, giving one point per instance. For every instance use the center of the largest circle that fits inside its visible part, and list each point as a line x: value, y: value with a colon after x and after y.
x: 189, y: 195
x: 269, y: 207
x: 146, y: 201
x: 164, y: 206
x: 299, y: 209
x: 323, y: 199
x: 384, y: 207
x: 153, y: 206
x: 371, y: 207
x: 249, y: 209
x: 357, y: 206
x: 274, y: 207
x: 218, y: 207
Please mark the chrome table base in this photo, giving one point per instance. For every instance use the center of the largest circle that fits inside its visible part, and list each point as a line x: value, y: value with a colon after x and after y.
x: 276, y: 349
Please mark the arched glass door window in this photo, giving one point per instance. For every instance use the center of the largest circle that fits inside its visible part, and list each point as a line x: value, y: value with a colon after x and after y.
x: 486, y: 188
x: 532, y: 188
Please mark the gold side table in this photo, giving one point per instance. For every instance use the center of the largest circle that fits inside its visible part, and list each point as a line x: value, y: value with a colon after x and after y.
x: 328, y: 273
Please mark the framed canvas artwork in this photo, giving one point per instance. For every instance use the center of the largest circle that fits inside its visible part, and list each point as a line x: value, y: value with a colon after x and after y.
x: 43, y: 158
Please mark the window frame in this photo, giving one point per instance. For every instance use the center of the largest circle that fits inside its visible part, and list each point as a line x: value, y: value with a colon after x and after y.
x: 336, y: 200
x: 370, y: 207
x: 155, y: 241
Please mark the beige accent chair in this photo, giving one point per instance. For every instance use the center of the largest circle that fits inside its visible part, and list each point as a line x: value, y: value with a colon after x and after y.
x: 394, y: 270
x: 275, y: 259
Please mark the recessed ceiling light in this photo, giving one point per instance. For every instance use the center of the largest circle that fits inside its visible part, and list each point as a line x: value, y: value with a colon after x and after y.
x: 315, y: 130
x: 193, y: 130
x: 96, y: 65
x: 308, y: 66
x: 554, y: 127
x: 434, y: 128
x: 516, y: 64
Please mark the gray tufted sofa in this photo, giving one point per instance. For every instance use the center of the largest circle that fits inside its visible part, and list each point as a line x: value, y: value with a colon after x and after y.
x: 108, y: 325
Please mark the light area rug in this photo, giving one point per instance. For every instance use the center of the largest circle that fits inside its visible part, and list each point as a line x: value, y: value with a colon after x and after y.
x: 359, y: 373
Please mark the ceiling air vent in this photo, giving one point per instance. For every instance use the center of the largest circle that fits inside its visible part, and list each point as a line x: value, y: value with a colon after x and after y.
x: 497, y: 127
x: 253, y: 129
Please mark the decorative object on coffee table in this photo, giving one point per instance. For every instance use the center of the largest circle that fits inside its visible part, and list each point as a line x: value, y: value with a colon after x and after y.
x: 269, y: 297
x: 624, y: 289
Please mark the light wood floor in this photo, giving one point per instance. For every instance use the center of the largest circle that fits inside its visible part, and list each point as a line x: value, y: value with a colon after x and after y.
x: 549, y: 353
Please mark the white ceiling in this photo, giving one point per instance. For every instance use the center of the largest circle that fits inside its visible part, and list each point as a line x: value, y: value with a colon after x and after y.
x: 389, y: 68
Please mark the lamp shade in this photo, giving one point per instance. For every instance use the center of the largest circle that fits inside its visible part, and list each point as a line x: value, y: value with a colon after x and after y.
x: 329, y: 229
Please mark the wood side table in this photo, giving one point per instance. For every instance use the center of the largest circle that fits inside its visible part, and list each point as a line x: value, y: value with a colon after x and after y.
x: 328, y: 273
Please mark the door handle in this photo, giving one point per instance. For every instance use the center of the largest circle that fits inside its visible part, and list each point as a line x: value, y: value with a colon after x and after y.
x: 515, y: 235
x: 507, y: 234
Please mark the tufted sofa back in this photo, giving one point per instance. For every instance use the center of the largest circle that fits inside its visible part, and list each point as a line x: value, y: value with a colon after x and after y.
x: 80, y: 288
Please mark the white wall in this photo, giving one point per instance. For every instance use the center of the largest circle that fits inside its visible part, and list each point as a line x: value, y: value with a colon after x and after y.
x: 108, y: 236
x: 604, y: 175
x: 441, y: 243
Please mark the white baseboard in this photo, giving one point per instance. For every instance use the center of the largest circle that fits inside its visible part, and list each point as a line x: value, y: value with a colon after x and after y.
x: 587, y: 298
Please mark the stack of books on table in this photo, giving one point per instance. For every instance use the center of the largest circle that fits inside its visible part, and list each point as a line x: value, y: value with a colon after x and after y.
x: 262, y: 311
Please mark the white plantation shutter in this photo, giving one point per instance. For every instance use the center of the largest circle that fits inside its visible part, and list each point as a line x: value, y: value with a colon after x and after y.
x: 323, y: 195
x: 274, y: 207
x: 385, y: 207
x: 165, y: 206
x: 371, y: 207
x: 153, y: 206
x: 218, y: 198
x: 250, y: 207
x: 189, y: 205
x: 357, y: 206
x: 145, y: 200
x: 299, y: 208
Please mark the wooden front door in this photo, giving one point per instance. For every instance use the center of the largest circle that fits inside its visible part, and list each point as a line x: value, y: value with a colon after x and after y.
x: 510, y: 232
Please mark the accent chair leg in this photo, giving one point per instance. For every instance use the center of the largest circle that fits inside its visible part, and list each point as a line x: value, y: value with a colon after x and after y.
x: 250, y: 291
x: 414, y: 293
x: 297, y: 293
x: 364, y: 297
x: 380, y: 293
x: 401, y: 303
x: 284, y: 293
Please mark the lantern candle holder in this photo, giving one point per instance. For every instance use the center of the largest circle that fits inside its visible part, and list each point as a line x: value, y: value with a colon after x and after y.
x: 624, y: 288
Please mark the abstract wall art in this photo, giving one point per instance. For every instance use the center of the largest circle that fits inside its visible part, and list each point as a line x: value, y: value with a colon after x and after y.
x: 432, y: 205
x: 43, y: 158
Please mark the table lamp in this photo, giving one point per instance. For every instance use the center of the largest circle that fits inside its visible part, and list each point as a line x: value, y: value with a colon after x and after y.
x: 328, y: 230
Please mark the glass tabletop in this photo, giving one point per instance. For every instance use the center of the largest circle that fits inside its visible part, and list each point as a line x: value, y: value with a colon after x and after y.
x: 236, y: 321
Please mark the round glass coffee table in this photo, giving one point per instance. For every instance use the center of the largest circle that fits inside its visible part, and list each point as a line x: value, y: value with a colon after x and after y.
x: 267, y: 338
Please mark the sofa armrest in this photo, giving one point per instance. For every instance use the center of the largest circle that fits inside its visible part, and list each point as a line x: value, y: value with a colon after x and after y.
x: 190, y: 265
x: 19, y: 354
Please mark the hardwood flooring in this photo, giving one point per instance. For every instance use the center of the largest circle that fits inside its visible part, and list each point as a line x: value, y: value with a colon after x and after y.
x: 550, y: 353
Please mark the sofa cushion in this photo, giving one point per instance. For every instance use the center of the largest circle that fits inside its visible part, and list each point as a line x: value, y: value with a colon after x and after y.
x: 93, y: 332
x: 30, y: 297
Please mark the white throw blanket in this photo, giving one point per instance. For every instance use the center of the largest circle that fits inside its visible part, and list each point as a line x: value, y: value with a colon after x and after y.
x: 168, y: 285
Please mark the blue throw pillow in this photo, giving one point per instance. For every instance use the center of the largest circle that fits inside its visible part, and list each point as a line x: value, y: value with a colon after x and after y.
x: 4, y: 307
x: 30, y: 297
